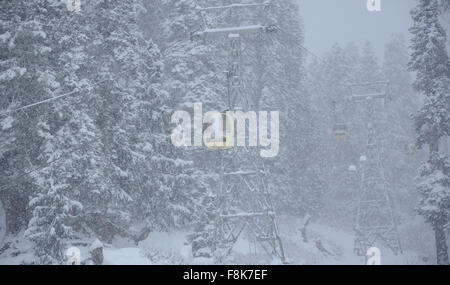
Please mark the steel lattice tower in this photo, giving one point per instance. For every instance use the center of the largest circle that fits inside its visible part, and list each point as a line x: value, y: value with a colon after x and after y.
x: 375, y: 223
x: 243, y: 202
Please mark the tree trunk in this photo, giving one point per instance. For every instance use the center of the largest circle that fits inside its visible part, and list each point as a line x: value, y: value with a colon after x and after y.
x: 434, y: 143
x: 305, y: 224
x: 441, y: 244
x: 439, y: 228
x: 3, y: 224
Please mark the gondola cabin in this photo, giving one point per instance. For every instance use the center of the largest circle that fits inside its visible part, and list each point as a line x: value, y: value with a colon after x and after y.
x: 221, y: 132
x: 340, y: 132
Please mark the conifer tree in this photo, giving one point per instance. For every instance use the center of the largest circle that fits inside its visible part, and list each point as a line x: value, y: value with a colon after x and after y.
x: 431, y: 63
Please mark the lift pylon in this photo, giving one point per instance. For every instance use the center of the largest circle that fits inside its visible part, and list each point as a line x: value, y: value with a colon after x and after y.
x: 243, y: 202
x: 375, y: 223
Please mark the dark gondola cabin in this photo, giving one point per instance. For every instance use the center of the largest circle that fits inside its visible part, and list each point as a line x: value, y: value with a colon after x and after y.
x: 340, y: 132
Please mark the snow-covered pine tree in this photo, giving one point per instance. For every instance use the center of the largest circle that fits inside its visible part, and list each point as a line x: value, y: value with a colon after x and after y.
x: 6, y: 145
x: 445, y: 4
x: 113, y: 135
x: 143, y: 160
x: 399, y: 137
x: 69, y: 136
x: 7, y: 74
x: 190, y: 76
x: 187, y: 79
x: 369, y: 67
x: 6, y: 138
x: 33, y: 76
x: 275, y: 80
x: 431, y: 63
x: 27, y: 77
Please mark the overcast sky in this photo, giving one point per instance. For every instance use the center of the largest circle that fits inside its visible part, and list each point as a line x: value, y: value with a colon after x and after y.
x: 330, y: 21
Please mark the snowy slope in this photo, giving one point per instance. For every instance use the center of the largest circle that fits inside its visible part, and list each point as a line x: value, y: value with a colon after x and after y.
x: 125, y: 256
x: 338, y: 244
x: 170, y: 248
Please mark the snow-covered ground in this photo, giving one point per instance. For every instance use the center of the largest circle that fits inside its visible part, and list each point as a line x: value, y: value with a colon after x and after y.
x: 125, y: 256
x: 338, y: 245
x: 16, y: 250
x: 171, y: 248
